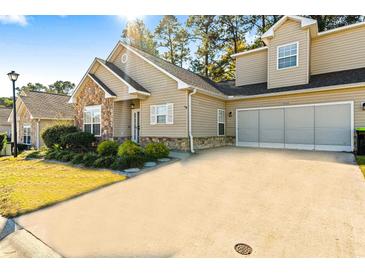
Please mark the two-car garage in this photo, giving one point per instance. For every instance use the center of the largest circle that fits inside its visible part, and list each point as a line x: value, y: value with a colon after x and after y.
x: 325, y: 126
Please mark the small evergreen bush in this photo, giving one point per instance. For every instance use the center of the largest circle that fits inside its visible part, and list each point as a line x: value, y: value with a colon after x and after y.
x: 107, y: 148
x: 77, y: 159
x: 156, y: 151
x: 129, y: 149
x: 104, y: 162
x: 89, y: 159
x: 119, y: 164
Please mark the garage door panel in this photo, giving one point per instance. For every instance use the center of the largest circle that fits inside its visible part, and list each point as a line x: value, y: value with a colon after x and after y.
x: 248, y: 130
x: 271, y: 122
x: 299, y: 125
x: 332, y: 125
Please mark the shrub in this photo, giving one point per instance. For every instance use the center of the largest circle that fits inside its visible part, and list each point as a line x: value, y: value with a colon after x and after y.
x: 78, y: 141
x: 89, y: 159
x: 156, y: 150
x: 3, y: 140
x: 119, y: 164
x: 60, y: 154
x: 107, y: 148
x: 77, y: 158
x: 34, y: 155
x: 52, y: 135
x: 104, y: 162
x: 52, y: 154
x: 67, y: 157
x: 136, y: 161
x: 129, y: 149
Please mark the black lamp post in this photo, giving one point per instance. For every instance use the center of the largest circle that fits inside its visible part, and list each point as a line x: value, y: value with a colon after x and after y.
x: 13, y: 76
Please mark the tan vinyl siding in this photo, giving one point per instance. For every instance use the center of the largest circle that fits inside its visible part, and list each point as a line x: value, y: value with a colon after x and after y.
x: 204, y: 115
x: 163, y: 90
x: 289, y: 32
x: 251, y: 68
x: 115, y: 84
x: 122, y: 117
x: 338, y: 51
x: 355, y: 94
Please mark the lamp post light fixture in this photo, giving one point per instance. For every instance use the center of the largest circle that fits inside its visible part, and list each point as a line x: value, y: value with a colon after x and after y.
x: 13, y: 76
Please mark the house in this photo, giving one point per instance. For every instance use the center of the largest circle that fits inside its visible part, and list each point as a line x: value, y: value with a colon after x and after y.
x: 303, y: 90
x: 5, y: 126
x: 37, y: 111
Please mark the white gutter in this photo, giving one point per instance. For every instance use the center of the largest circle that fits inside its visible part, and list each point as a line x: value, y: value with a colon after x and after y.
x: 190, y: 127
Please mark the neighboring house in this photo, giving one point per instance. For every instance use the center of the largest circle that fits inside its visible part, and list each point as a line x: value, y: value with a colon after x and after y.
x: 5, y: 126
x: 305, y: 89
x: 37, y: 111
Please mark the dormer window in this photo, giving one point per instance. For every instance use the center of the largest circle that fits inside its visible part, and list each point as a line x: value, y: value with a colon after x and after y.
x: 287, y: 56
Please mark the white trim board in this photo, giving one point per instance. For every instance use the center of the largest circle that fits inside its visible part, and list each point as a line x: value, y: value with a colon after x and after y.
x: 301, y: 146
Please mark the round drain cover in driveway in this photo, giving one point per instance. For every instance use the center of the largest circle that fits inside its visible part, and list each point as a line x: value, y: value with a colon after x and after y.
x: 243, y: 249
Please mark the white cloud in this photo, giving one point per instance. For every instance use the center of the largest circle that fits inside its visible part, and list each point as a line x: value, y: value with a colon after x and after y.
x: 14, y: 19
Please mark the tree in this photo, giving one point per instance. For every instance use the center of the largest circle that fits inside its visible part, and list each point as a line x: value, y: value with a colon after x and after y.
x: 61, y: 87
x: 205, y: 29
x: 259, y: 24
x: 6, y: 102
x: 32, y: 87
x: 182, y: 49
x: 233, y: 29
x: 137, y: 35
x: 166, y: 32
x: 327, y: 22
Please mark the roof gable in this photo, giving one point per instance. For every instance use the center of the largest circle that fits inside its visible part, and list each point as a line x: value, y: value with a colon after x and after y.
x: 133, y: 86
x: 304, y: 23
x: 185, y: 79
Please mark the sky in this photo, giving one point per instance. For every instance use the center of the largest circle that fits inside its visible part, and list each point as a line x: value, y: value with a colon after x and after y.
x: 45, y: 49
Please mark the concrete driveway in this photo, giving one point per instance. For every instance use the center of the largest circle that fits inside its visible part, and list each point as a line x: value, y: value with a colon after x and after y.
x: 281, y: 203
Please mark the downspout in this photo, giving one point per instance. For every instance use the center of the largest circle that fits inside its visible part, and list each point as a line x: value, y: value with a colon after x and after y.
x: 190, y: 127
x: 38, y: 133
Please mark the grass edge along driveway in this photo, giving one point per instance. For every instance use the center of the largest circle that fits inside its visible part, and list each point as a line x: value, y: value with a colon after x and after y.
x: 28, y: 185
x: 360, y: 159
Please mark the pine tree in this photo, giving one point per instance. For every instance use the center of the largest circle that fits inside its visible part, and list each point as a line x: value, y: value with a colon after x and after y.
x: 205, y: 30
x: 137, y: 35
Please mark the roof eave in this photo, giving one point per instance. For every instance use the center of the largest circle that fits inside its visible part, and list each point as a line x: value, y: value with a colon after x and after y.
x: 308, y: 90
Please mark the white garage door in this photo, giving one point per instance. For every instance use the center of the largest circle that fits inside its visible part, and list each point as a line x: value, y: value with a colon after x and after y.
x: 316, y: 127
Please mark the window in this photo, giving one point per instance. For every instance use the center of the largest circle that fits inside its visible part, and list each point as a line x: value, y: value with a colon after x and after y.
x: 220, y: 121
x: 288, y: 56
x: 92, y: 120
x: 26, y: 135
x: 162, y: 114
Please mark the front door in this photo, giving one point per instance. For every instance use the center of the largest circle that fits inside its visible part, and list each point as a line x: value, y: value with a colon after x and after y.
x: 136, y: 118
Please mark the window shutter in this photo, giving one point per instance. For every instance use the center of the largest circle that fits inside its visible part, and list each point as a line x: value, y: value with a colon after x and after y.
x: 170, y: 114
x: 153, y: 116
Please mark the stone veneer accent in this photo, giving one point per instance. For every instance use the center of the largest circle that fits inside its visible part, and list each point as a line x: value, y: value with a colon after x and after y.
x: 183, y: 143
x: 90, y: 95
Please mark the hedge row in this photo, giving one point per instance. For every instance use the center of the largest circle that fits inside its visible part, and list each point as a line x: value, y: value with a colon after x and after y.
x: 110, y: 155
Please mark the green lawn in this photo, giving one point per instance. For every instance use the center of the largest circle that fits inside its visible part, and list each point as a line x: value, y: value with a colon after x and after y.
x: 361, y: 162
x: 27, y: 185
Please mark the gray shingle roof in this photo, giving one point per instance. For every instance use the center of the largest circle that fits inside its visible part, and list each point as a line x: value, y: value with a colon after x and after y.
x: 48, y: 105
x: 123, y: 75
x: 4, y: 115
x: 316, y: 81
x: 104, y: 86
x: 184, y: 75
